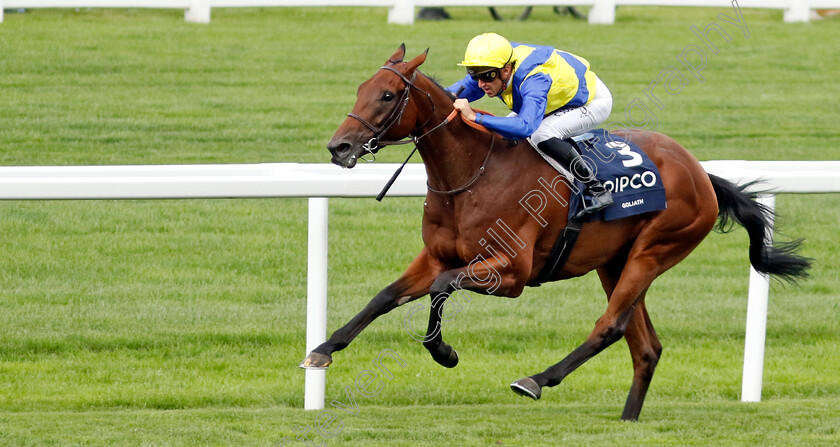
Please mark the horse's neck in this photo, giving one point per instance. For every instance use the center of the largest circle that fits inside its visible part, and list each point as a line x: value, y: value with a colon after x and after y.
x: 454, y: 158
x: 454, y: 153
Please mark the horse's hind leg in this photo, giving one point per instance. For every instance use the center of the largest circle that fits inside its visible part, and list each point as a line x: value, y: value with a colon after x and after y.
x: 635, y: 278
x: 645, y: 350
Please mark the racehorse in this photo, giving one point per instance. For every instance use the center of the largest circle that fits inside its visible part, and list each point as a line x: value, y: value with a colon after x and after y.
x: 476, y: 179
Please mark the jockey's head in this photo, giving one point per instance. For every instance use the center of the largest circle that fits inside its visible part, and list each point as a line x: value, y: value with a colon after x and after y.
x: 487, y: 60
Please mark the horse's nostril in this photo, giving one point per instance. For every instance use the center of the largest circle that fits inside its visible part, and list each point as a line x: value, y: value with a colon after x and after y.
x: 340, y: 149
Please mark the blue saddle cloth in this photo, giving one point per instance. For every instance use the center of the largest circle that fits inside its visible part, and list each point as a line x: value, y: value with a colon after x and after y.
x: 626, y: 171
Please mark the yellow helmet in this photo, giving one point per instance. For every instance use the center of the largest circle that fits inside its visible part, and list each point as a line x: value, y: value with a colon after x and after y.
x: 487, y: 50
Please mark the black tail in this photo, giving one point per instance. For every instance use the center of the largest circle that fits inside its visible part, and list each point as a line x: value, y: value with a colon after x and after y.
x: 778, y: 259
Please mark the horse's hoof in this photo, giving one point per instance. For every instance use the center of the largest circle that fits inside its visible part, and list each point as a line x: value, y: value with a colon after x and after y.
x: 316, y: 360
x: 527, y: 387
x: 443, y: 354
x: 451, y: 361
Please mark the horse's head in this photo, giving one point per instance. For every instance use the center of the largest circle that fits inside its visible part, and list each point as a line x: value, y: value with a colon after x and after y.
x: 383, y: 111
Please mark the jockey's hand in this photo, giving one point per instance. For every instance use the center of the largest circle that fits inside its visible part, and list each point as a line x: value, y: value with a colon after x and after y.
x: 463, y: 105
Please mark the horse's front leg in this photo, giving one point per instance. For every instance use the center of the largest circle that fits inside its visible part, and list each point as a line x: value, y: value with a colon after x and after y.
x: 490, y: 277
x: 413, y: 284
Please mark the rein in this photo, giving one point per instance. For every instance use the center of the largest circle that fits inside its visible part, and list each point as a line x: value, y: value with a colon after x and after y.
x: 472, y: 180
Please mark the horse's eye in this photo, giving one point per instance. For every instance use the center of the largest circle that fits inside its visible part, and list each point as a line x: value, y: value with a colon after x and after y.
x: 387, y: 96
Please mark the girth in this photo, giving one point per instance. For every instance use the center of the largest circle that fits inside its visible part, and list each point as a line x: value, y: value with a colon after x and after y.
x: 560, y: 252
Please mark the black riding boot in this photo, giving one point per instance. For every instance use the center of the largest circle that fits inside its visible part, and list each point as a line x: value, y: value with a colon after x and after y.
x: 566, y: 153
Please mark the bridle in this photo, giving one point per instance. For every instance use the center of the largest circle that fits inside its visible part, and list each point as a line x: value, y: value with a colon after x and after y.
x: 374, y: 144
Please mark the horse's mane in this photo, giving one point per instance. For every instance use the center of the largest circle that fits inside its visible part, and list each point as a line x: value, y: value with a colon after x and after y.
x: 437, y: 83
x: 453, y: 97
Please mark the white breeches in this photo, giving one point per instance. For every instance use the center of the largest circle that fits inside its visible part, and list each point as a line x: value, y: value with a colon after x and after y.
x: 568, y: 122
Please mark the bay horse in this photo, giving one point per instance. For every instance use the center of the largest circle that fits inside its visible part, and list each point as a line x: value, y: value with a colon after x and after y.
x: 476, y: 180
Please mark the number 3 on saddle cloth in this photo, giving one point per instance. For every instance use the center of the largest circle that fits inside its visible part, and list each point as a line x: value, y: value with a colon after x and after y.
x: 627, y: 172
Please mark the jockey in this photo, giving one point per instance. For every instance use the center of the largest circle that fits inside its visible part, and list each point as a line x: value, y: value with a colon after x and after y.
x: 553, y: 95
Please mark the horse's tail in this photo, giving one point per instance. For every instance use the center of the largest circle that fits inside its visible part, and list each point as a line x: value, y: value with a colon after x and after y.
x: 779, y: 259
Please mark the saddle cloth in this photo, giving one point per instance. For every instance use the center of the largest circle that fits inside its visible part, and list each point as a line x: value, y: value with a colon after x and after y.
x: 624, y: 169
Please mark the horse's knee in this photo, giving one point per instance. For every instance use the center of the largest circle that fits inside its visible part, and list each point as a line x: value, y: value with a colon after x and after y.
x: 512, y: 288
x: 650, y: 357
x: 611, y: 334
x: 610, y: 331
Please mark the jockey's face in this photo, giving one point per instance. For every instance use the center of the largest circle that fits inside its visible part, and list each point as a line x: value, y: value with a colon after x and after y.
x: 493, y: 82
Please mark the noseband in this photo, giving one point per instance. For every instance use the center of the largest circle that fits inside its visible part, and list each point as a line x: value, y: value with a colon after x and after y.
x: 374, y: 144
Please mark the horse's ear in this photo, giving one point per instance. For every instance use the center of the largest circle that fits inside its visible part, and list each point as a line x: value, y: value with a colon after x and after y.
x: 397, y: 56
x: 417, y: 61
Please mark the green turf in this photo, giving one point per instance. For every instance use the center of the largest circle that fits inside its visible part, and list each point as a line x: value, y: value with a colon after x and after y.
x: 182, y: 322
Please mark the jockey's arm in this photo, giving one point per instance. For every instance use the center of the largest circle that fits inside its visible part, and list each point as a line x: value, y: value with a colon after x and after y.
x: 534, y: 93
x: 469, y: 89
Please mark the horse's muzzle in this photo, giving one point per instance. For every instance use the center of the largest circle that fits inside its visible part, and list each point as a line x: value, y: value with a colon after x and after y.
x: 342, y: 154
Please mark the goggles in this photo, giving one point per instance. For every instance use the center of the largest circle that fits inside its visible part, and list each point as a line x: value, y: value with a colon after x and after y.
x: 486, y: 76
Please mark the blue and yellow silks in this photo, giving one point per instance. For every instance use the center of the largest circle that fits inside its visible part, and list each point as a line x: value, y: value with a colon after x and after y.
x: 544, y: 80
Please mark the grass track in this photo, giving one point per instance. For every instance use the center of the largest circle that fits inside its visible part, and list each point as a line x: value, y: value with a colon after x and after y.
x: 181, y: 322
x: 719, y: 424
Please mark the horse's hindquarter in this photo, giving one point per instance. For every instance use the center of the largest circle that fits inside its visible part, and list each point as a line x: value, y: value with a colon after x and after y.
x: 692, y: 205
x: 690, y: 214
x: 668, y: 236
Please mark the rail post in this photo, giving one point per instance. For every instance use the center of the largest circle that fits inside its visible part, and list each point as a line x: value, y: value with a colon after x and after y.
x: 199, y: 12
x: 402, y: 13
x: 756, y: 331
x: 316, y: 297
x: 602, y: 12
x: 797, y: 11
